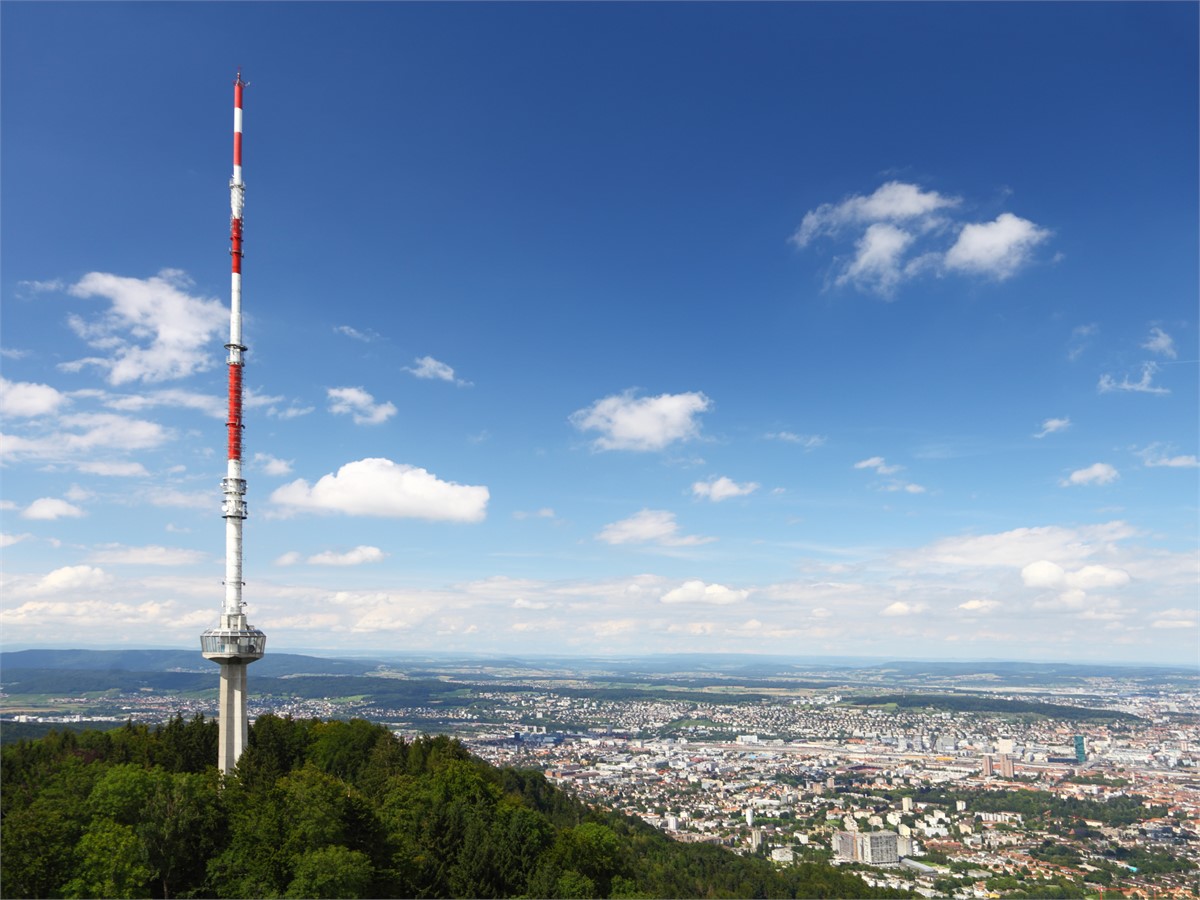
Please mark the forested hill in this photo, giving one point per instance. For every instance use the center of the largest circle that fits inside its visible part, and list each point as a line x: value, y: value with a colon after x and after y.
x: 336, y: 809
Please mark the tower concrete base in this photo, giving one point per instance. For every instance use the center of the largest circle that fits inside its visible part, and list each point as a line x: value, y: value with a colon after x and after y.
x: 234, y: 724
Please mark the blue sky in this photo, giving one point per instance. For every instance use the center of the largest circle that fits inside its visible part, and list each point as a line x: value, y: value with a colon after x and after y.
x: 595, y: 328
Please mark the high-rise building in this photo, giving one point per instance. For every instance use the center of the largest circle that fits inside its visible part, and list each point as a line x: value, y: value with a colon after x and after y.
x: 1080, y: 749
x: 989, y: 766
x: 1006, y: 766
x: 876, y: 848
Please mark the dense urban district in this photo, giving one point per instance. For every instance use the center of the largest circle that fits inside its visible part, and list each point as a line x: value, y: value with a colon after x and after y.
x: 941, y: 779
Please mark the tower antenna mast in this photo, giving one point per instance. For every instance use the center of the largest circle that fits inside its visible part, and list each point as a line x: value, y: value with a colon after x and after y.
x: 234, y: 644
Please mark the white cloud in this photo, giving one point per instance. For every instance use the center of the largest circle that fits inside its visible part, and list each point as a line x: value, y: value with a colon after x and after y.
x: 980, y: 605
x: 1161, y: 343
x: 996, y: 248
x: 907, y: 487
x: 1051, y: 426
x: 365, y: 336
x: 72, y: 578
x: 647, y: 423
x: 24, y: 398
x: 697, y: 591
x: 1045, y: 574
x: 354, y: 401
x: 113, y: 469
x: 380, y: 487
x: 356, y: 557
x: 900, y: 233
x: 718, y: 489
x: 650, y: 526
x: 154, y: 329
x: 1152, y: 458
x: 891, y: 202
x: 210, y: 405
x: 116, y: 554
x: 1097, y: 473
x: 1144, y: 385
x: 879, y: 464
x: 7, y: 540
x: 88, y: 433
x: 878, y: 255
x: 1016, y: 548
x: 271, y: 465
x: 544, y: 513
x: 51, y: 508
x: 807, y: 441
x: 288, y: 559
x: 430, y: 368
x: 903, y: 608
x: 1176, y: 619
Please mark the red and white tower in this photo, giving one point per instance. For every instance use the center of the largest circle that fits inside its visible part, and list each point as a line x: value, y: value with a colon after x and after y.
x: 234, y: 644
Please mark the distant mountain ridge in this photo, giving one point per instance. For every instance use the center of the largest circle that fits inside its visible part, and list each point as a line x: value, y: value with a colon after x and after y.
x: 744, y: 666
x: 274, y: 664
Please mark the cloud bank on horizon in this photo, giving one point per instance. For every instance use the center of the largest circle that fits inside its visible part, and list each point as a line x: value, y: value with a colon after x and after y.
x: 690, y: 425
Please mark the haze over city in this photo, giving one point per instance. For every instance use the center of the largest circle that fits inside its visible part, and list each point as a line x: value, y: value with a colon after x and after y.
x: 608, y: 329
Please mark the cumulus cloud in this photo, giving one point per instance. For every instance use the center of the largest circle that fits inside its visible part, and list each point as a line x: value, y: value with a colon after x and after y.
x: 116, y: 554
x: 877, y: 261
x: 1144, y: 385
x: 902, y: 608
x: 356, y: 557
x: 650, y: 526
x: 26, y: 399
x: 355, y: 402
x: 288, y: 559
x: 271, y: 465
x: 879, y: 464
x: 86, y: 434
x: 1161, y: 343
x: 718, y: 489
x: 626, y: 422
x: 1045, y: 574
x: 51, y: 508
x: 980, y: 605
x: 72, y: 578
x: 1016, y: 548
x: 697, y: 591
x: 891, y: 202
x: 1097, y: 473
x: 1051, y: 426
x: 900, y: 231
x: 430, y: 368
x: 7, y: 540
x: 996, y: 248
x: 153, y: 329
x: 380, y: 487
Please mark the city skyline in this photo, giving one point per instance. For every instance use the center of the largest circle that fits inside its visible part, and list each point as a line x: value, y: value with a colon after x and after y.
x: 790, y: 328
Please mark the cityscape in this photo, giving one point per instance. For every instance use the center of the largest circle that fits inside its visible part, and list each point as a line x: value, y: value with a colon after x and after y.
x: 966, y: 792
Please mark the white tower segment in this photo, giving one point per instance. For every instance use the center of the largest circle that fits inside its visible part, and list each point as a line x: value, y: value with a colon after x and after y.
x: 234, y: 644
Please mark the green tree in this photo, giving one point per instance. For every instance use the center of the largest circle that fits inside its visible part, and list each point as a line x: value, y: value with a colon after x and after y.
x: 331, y: 872
x: 110, y: 861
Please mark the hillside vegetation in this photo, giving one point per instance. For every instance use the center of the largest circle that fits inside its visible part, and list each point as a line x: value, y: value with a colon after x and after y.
x: 335, y: 809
